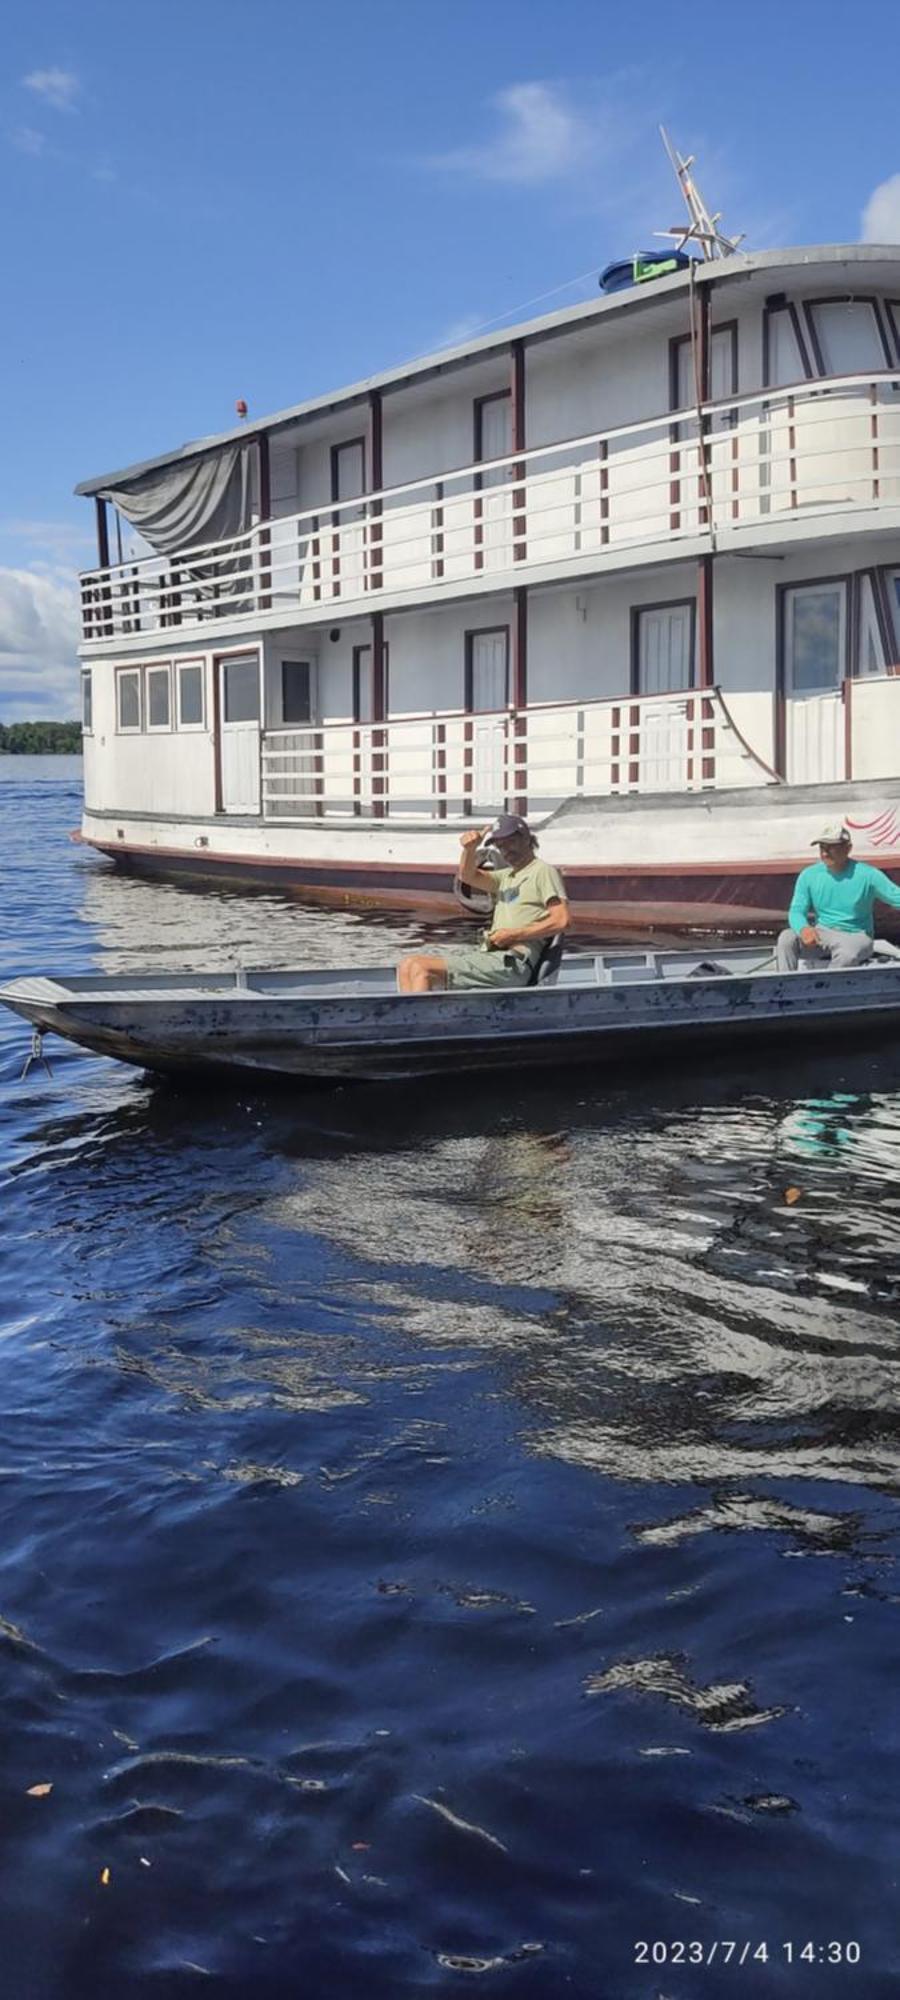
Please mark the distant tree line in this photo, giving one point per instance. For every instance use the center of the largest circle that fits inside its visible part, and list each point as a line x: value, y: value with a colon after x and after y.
x: 39, y: 739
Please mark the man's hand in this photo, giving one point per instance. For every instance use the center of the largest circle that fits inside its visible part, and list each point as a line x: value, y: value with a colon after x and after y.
x: 809, y: 935
x: 472, y: 838
x: 501, y: 940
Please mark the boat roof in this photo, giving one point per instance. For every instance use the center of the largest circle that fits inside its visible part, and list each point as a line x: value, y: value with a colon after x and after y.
x: 829, y: 259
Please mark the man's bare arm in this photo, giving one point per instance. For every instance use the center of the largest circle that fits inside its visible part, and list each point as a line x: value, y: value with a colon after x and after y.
x: 470, y: 874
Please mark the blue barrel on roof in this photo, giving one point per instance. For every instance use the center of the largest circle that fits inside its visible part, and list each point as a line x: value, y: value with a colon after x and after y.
x: 641, y: 268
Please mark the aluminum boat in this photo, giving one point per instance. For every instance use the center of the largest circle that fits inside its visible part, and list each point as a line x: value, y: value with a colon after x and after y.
x: 333, y: 1026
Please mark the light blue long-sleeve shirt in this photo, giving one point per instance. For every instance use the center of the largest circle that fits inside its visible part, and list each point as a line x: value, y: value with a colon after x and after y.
x: 842, y: 902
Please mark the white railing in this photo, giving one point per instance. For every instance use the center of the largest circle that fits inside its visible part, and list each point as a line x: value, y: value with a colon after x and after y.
x: 450, y: 766
x: 828, y: 447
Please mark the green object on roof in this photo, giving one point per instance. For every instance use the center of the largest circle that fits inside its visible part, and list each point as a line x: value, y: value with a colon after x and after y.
x: 660, y: 267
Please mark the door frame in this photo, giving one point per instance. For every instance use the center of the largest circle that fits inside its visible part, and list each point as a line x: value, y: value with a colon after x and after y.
x: 232, y: 653
x: 664, y: 604
x: 846, y: 577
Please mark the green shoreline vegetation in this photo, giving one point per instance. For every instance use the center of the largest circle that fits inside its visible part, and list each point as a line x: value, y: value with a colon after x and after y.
x: 40, y: 739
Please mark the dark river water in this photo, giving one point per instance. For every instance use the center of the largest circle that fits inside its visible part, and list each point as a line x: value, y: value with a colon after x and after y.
x: 448, y: 1537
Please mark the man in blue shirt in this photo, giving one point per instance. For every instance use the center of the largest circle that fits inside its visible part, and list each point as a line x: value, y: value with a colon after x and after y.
x: 830, y: 921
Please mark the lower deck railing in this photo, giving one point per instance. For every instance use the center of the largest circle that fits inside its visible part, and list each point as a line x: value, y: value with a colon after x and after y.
x: 452, y: 766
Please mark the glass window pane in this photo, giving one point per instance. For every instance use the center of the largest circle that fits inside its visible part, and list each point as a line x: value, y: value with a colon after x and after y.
x: 816, y: 638
x: 785, y: 359
x: 129, y: 701
x: 241, y: 684
x: 190, y: 696
x: 158, y: 698
x: 295, y: 691
x: 848, y: 337
x: 87, y: 701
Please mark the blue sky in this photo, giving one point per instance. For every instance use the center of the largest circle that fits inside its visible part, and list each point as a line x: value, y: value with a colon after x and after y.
x: 215, y: 199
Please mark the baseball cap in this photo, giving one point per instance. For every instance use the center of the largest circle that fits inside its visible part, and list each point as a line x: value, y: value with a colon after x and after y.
x: 506, y: 827
x: 833, y: 835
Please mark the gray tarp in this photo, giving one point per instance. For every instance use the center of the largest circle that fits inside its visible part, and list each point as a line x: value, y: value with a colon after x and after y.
x: 195, y: 501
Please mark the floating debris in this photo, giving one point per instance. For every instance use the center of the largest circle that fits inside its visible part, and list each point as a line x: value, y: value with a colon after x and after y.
x: 462, y: 1825
x: 39, y: 1791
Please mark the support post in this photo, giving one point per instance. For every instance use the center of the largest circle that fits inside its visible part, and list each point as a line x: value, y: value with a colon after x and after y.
x: 106, y: 617
x: 265, y: 515
x: 379, y: 737
x: 376, y: 482
x: 519, y: 773
x: 706, y: 676
x: 705, y: 649
x: 517, y: 398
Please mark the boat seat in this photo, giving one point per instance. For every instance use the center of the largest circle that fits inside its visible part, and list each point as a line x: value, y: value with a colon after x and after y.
x: 548, y: 961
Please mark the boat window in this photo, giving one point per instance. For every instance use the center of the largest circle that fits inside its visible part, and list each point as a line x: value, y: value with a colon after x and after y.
x: 870, y: 644
x: 892, y: 317
x: 894, y: 588
x: 158, y: 698
x: 664, y: 648
x: 190, y: 697
x: 487, y: 670
x: 815, y: 635
x: 847, y: 336
x: 785, y: 356
x: 296, y: 691
x: 87, y: 701
x: 128, y: 699
x: 240, y: 684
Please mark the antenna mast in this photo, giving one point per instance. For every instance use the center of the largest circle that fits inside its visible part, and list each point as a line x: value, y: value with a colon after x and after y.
x: 701, y: 227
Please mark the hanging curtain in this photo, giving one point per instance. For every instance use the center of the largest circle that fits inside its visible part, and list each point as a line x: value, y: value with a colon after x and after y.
x: 193, y: 501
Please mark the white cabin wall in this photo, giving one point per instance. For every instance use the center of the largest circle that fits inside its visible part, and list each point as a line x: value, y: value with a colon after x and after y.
x: 579, y: 639
x: 165, y: 771
x: 334, y: 681
x: 427, y: 653
x: 577, y: 385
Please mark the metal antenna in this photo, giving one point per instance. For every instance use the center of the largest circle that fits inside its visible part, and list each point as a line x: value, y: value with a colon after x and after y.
x: 702, y: 227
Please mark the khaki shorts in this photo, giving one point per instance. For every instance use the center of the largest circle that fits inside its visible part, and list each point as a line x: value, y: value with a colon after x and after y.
x: 468, y: 965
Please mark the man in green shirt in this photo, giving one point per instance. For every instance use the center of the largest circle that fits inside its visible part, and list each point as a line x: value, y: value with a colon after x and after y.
x: 530, y: 907
x: 830, y: 921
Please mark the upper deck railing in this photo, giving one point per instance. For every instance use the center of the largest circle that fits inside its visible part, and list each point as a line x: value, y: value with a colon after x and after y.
x: 727, y: 471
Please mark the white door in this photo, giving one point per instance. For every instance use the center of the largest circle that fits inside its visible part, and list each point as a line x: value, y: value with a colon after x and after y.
x: 348, y: 480
x: 239, y: 712
x: 495, y: 495
x: 815, y: 654
x: 665, y: 648
x: 488, y: 694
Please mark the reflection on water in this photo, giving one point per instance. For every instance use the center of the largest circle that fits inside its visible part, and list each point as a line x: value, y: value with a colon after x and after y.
x: 448, y: 1533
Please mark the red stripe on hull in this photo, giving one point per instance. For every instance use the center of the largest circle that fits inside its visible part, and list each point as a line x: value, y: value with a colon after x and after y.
x: 732, y: 899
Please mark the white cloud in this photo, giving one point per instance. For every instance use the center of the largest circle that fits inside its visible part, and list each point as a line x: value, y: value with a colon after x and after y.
x: 541, y: 136
x: 27, y: 140
x: 881, y: 215
x: 58, y: 87
x: 38, y: 644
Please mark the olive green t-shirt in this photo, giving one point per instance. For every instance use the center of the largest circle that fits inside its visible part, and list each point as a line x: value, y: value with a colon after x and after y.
x: 522, y: 896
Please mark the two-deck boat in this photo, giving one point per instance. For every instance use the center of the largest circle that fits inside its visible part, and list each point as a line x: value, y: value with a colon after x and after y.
x: 632, y: 568
x: 336, y: 1026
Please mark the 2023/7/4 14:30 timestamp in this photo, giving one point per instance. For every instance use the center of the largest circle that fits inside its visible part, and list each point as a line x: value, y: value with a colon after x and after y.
x: 746, y: 1951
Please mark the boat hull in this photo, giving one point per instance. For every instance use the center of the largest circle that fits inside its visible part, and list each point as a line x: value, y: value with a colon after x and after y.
x: 722, y: 863
x: 385, y: 1037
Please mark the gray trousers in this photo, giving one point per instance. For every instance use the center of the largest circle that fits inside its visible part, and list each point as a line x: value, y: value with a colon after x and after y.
x: 841, y: 948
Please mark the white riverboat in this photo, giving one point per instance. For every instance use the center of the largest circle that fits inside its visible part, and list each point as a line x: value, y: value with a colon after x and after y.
x: 352, y: 1025
x: 632, y: 568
